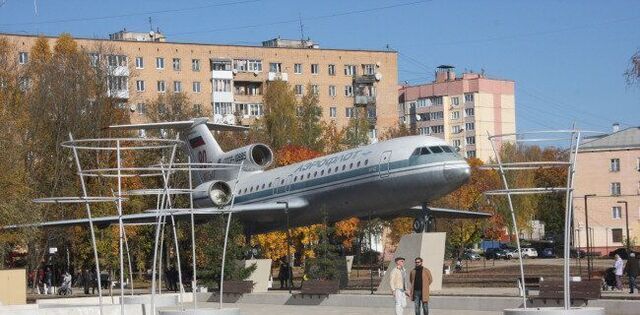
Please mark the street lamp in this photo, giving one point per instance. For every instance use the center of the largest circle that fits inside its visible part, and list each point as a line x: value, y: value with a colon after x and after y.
x: 289, y: 266
x: 586, y: 219
x: 626, y: 214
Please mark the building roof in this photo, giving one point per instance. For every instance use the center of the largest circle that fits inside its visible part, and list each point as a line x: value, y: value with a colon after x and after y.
x: 627, y: 138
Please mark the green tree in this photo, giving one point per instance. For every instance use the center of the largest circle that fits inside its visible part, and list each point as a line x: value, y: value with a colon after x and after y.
x: 310, y: 127
x: 632, y: 74
x: 357, y: 133
x: 280, y: 122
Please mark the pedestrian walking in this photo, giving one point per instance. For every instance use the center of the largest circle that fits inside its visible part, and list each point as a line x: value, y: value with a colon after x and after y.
x: 632, y: 268
x: 619, y: 265
x: 420, y: 279
x: 48, y: 278
x: 86, y: 281
x: 398, y: 284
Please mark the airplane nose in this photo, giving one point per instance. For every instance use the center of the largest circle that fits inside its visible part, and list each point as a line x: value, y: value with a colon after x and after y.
x: 458, y: 173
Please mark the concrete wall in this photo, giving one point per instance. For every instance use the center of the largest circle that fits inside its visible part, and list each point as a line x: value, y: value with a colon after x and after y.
x: 13, y: 287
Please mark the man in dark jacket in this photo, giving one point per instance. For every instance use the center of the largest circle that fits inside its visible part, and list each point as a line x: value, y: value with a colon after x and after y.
x: 420, y: 279
x: 632, y: 269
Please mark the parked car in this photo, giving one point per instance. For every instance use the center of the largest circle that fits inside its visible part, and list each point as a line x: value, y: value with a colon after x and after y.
x: 511, y: 252
x: 529, y: 252
x: 495, y: 253
x: 548, y: 253
x: 622, y: 252
x: 470, y: 255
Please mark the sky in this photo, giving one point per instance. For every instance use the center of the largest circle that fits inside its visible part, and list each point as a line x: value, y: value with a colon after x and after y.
x: 566, y: 57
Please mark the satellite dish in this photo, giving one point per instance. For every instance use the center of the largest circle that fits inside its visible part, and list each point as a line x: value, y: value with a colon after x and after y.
x: 229, y: 119
x: 217, y: 118
x: 132, y: 108
x: 142, y: 133
x: 255, y: 73
x: 378, y: 64
x: 152, y: 33
x: 378, y: 76
x: 418, y: 117
x: 235, y: 71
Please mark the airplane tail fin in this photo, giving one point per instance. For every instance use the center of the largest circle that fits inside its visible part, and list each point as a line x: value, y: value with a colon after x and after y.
x: 200, y: 143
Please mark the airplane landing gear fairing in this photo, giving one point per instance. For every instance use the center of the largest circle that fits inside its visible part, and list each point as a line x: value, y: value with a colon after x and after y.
x: 425, y: 222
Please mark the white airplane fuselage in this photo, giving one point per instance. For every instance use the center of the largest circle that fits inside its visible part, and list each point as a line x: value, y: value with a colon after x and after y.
x: 378, y: 179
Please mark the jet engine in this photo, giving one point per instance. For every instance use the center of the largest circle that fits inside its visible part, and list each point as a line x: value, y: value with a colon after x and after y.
x: 220, y: 193
x: 256, y: 157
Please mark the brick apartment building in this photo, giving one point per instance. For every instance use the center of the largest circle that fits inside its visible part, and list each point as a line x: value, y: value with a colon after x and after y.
x: 231, y: 79
x: 460, y: 109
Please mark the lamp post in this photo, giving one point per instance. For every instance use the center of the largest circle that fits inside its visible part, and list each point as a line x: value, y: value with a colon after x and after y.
x: 626, y: 215
x: 289, y: 266
x: 586, y: 219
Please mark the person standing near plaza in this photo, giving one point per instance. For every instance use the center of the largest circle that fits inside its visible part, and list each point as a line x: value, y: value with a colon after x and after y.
x: 420, y: 279
x: 398, y: 284
x: 619, y: 265
x: 632, y: 268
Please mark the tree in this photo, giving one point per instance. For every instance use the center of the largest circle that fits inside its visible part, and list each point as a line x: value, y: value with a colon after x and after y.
x: 279, y: 122
x: 400, y: 130
x: 632, y: 74
x: 357, y: 133
x: 310, y: 127
x: 325, y: 264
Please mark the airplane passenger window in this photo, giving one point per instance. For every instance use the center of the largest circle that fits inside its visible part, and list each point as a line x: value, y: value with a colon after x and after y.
x: 269, y: 185
x: 351, y: 166
x: 262, y: 186
x: 308, y: 175
x: 282, y: 182
x: 424, y: 151
x: 245, y: 190
x: 321, y: 172
x: 329, y: 171
x: 336, y: 169
x: 447, y: 149
x: 315, y: 174
x: 251, y: 190
x: 358, y: 164
x: 366, y: 162
x: 344, y: 167
x: 295, y: 179
x: 435, y: 149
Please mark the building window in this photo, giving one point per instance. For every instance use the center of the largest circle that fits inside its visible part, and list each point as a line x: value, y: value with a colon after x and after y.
x: 117, y: 60
x: 315, y: 89
x: 616, y: 235
x: 275, y: 67
x: 177, y: 86
x: 176, y: 64
x: 315, y: 68
x: 349, y: 70
x: 299, y: 89
x: 471, y: 140
x: 437, y: 129
x: 94, y: 58
x: 369, y: 69
x: 456, y: 143
x: 616, y: 212
x: 350, y: 112
x: 469, y: 112
x: 456, y: 129
x: 424, y: 130
x: 222, y: 85
x: 159, y: 63
x: 471, y: 153
x: 455, y: 115
x: 141, y: 108
x: 23, y: 57
x: 436, y: 100
x: 615, y: 165
x: 161, y: 87
x: 118, y: 83
x: 615, y: 189
x: 196, y: 87
x: 371, y: 112
x: 470, y: 126
x: 195, y: 64
x: 436, y: 116
x: 140, y: 86
x: 244, y: 65
x: 223, y: 108
x: 297, y: 68
x: 24, y: 84
x: 332, y: 90
x: 422, y: 102
x: 348, y: 90
x: 139, y: 63
x: 638, y: 164
x: 468, y: 97
x: 331, y: 69
x: 332, y: 112
x: 455, y: 101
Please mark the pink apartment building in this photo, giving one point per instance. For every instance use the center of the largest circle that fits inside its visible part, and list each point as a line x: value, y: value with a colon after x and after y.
x: 608, y: 173
x: 460, y: 109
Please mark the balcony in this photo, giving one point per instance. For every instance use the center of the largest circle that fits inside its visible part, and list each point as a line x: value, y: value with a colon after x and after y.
x: 119, y: 71
x: 246, y: 98
x: 364, y: 100
x: 248, y: 76
x: 273, y: 76
x: 118, y: 93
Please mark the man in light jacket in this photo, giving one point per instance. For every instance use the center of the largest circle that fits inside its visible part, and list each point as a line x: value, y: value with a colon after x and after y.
x: 397, y: 281
x: 619, y: 265
x: 420, y: 279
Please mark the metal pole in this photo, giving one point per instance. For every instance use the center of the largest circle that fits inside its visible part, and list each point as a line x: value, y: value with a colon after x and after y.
x: 93, y: 233
x: 226, y: 233
x: 513, y: 219
x: 126, y: 244
x: 626, y: 215
x: 577, y: 249
x: 120, y: 227
x: 569, y: 215
x: 175, y: 238
x: 289, y: 267
x: 370, y: 253
x: 194, y: 281
x: 586, y: 219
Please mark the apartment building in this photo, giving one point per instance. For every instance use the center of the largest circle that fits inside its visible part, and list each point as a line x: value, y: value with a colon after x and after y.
x: 231, y: 79
x: 460, y: 109
x: 608, y: 174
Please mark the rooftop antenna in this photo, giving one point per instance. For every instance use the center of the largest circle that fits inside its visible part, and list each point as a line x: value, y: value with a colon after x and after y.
x: 150, y: 24
x: 301, y: 29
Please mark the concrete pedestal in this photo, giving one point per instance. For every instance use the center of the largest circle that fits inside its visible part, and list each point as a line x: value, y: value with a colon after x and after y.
x: 202, y: 311
x: 428, y: 246
x: 159, y: 300
x: 555, y: 311
x: 349, y: 260
x: 260, y: 276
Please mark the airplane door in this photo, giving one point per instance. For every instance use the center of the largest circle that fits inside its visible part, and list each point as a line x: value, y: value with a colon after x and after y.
x: 385, y: 158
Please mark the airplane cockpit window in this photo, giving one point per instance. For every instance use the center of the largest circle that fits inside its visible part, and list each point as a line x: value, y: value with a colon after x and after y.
x: 424, y: 151
x: 436, y: 149
x: 447, y: 149
x: 416, y: 151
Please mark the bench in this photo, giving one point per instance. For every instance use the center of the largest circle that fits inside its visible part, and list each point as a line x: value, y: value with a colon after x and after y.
x: 581, y: 290
x: 238, y: 287
x: 320, y: 287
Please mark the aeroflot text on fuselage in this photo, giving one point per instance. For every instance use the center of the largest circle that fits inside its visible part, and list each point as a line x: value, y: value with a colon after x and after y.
x: 331, y: 160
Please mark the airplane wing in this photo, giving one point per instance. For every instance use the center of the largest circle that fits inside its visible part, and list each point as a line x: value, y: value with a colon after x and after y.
x: 440, y: 213
x: 150, y: 216
x: 181, y: 125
